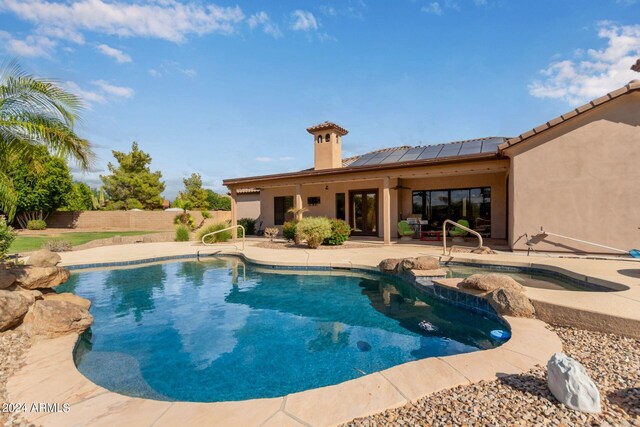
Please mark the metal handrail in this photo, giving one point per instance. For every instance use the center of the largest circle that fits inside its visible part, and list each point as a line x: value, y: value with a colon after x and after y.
x: 444, y: 234
x: 542, y: 231
x: 224, y: 229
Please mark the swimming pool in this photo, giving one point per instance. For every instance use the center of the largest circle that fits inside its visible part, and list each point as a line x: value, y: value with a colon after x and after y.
x: 223, y: 330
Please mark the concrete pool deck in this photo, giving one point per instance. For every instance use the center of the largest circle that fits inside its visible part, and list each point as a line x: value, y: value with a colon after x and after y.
x: 50, y: 374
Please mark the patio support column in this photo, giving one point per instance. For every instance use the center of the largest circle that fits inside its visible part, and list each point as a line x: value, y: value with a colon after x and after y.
x: 386, y: 211
x: 234, y: 213
x: 297, y: 202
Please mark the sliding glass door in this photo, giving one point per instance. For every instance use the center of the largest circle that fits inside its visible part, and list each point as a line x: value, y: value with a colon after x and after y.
x: 364, y: 212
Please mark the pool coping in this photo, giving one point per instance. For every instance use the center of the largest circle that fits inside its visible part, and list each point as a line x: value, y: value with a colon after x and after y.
x: 50, y: 375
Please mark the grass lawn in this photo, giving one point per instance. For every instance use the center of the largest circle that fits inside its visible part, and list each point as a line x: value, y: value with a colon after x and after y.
x: 32, y: 243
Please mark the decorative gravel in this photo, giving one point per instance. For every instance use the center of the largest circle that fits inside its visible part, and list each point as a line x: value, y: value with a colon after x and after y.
x: 13, y: 346
x: 613, y: 362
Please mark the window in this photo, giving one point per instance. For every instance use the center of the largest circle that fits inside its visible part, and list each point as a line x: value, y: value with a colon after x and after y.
x: 472, y: 204
x: 327, y: 138
x: 313, y: 201
x: 281, y: 206
x: 341, y: 208
x: 319, y: 139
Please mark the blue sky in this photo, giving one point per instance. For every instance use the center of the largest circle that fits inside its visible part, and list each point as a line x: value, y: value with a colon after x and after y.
x: 227, y: 89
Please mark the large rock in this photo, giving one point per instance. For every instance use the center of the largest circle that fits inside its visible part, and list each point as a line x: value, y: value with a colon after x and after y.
x: 570, y: 383
x: 43, y: 258
x: 6, y: 278
x: 30, y: 295
x: 49, y: 318
x: 69, y: 297
x: 30, y: 277
x: 490, y: 282
x: 420, y: 263
x: 389, y: 265
x: 13, y: 307
x: 510, y: 303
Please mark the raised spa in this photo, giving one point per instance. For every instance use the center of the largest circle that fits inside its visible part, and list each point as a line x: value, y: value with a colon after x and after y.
x: 224, y: 330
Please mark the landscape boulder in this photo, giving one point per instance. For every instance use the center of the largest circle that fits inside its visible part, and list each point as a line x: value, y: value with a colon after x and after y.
x: 43, y: 258
x: 420, y: 263
x: 6, y: 278
x: 50, y: 318
x: 69, y: 297
x: 30, y: 295
x: 13, y: 307
x: 510, y: 303
x: 389, y: 265
x: 490, y: 282
x: 483, y: 250
x: 570, y: 383
x: 30, y: 277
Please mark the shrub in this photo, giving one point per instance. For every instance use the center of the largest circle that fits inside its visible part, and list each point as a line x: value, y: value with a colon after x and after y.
x: 205, y: 214
x: 36, y: 224
x: 271, y: 232
x: 340, y: 232
x: 180, y: 219
x: 7, y: 236
x: 218, y: 237
x: 289, y: 230
x: 314, y: 230
x: 57, y: 245
x: 248, y: 224
x: 182, y: 233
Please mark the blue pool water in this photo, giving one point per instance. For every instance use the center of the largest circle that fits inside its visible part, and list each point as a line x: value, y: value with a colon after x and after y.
x: 221, y: 330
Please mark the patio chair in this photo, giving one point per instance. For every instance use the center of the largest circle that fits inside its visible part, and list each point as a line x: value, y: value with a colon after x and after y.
x: 405, y: 231
x: 457, y: 231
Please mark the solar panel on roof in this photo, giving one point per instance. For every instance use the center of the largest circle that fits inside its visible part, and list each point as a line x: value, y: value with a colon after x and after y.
x: 430, y: 152
x: 395, y: 155
x: 379, y: 157
x: 412, y: 154
x: 470, y: 147
x: 449, y: 150
x: 362, y: 160
x: 491, y: 145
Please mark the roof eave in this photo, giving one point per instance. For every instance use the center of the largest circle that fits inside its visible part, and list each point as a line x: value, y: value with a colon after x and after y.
x: 364, y: 168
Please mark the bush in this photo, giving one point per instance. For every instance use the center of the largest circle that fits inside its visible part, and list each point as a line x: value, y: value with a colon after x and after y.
x: 216, y: 238
x: 7, y: 236
x: 182, y: 233
x: 314, y: 230
x: 271, y: 233
x: 36, y: 224
x: 248, y: 224
x: 340, y: 232
x: 289, y: 230
x: 57, y: 245
x: 205, y: 214
x: 191, y: 222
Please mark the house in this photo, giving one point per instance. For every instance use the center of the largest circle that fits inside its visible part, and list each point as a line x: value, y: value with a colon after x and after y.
x: 575, y: 175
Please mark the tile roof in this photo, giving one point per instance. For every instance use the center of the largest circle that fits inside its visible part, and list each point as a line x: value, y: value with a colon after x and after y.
x: 633, y: 85
x: 328, y: 126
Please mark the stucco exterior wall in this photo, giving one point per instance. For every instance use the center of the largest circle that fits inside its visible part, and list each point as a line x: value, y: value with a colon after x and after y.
x: 497, y: 182
x: 579, y: 179
x: 248, y: 205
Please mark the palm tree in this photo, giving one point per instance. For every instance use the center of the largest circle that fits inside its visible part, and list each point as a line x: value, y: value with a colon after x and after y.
x: 35, y: 112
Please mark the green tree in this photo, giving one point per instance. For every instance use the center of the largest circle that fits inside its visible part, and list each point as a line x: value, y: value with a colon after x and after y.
x: 218, y: 202
x: 40, y: 190
x: 194, y: 193
x: 79, y: 198
x: 35, y: 113
x: 131, y: 184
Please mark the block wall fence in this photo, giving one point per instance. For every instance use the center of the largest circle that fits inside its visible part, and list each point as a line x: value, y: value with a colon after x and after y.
x: 125, y: 220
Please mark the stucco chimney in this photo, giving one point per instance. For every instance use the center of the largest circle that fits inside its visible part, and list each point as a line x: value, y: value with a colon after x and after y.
x: 327, y: 142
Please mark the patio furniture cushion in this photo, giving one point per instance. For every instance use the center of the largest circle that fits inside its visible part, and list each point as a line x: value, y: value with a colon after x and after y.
x: 457, y: 231
x: 404, y: 229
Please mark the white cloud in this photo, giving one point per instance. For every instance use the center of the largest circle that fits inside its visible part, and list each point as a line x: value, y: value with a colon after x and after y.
x: 261, y: 19
x: 30, y: 46
x: 189, y: 72
x: 87, y: 96
x: 171, y: 20
x: 114, y: 53
x: 118, y: 91
x: 602, y: 71
x: 263, y: 159
x: 303, y: 21
x: 433, y: 8
x: 154, y: 73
